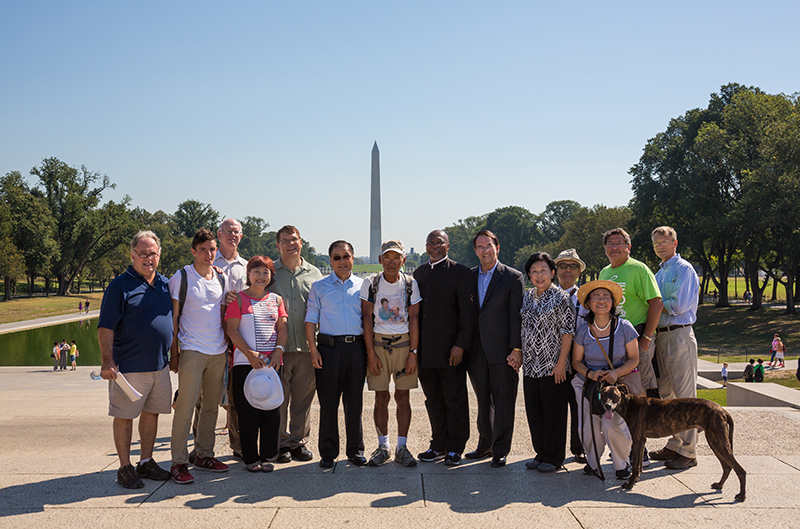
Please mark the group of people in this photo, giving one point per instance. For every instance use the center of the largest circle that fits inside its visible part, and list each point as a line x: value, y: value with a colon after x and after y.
x: 237, y: 324
x: 61, y: 351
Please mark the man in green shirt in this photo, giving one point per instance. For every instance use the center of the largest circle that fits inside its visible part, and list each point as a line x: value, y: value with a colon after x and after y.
x: 293, y: 278
x: 641, y: 304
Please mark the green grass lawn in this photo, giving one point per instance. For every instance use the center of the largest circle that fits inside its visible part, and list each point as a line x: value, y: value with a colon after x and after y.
x: 736, y: 288
x: 21, y: 309
x: 737, y: 334
x: 720, y: 396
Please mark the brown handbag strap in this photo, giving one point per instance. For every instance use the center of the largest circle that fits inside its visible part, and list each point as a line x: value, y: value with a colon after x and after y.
x: 613, y: 328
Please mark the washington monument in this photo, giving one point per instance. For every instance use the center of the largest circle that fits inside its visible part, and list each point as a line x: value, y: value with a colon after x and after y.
x: 375, y: 207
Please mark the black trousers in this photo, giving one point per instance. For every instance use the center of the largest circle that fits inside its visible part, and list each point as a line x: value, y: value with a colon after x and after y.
x: 344, y: 369
x: 253, y: 422
x: 495, y: 387
x: 546, y: 408
x: 575, y: 445
x: 448, y: 406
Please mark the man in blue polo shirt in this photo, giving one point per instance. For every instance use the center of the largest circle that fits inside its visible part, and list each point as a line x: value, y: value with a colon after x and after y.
x: 135, y: 334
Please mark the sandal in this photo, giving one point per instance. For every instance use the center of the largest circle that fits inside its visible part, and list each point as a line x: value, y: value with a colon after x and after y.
x: 267, y: 467
x: 254, y: 467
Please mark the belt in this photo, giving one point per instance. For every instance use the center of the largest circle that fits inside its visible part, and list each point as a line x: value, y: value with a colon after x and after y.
x: 391, y: 343
x: 349, y: 339
x: 672, y: 327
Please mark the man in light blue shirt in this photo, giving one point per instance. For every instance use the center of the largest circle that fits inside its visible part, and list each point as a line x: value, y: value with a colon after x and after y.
x: 676, y: 346
x: 338, y: 354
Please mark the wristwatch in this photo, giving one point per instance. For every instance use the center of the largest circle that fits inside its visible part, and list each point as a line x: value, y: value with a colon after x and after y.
x: 413, y: 351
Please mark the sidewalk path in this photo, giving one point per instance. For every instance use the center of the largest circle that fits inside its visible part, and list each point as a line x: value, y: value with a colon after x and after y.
x: 58, y: 469
x: 46, y: 322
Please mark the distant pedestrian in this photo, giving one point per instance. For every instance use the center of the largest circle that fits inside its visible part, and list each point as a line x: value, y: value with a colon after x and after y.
x: 73, y: 356
x: 780, y: 353
x: 86, y: 305
x: 80, y: 307
x: 749, y: 371
x: 725, y: 375
x: 64, y: 353
x: 56, y: 355
x: 758, y: 375
x: 774, y: 347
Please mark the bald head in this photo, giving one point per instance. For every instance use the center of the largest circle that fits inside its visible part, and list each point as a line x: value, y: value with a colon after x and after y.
x: 437, y: 245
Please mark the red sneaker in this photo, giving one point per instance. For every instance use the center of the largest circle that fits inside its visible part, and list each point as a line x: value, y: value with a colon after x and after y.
x: 180, y: 474
x: 212, y: 464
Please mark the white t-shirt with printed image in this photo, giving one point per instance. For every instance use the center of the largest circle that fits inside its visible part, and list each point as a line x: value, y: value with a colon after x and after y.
x: 389, y: 307
x: 201, y: 321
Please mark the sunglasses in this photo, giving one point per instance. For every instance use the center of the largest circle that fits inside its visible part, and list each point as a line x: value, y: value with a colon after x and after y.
x: 346, y: 257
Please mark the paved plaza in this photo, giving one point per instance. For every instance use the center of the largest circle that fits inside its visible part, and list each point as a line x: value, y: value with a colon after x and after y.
x: 58, y: 468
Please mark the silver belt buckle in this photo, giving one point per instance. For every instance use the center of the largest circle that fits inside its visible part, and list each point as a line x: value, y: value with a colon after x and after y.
x: 349, y: 339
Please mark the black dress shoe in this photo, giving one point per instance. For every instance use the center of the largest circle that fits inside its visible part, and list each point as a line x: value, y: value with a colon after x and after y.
x: 301, y: 453
x: 326, y: 462
x: 284, y: 457
x: 580, y: 458
x: 359, y: 461
x: 478, y: 454
x: 499, y: 461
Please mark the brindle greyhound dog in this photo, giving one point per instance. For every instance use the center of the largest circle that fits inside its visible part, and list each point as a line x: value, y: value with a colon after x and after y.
x: 653, y: 418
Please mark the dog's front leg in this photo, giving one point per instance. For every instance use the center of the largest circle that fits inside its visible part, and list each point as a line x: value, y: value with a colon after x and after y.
x: 637, y: 452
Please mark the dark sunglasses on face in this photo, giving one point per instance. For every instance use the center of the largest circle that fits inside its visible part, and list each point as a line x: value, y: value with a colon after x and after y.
x: 346, y: 257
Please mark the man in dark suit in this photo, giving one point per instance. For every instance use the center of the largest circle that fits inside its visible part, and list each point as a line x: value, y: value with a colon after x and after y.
x: 447, y: 318
x: 496, y: 356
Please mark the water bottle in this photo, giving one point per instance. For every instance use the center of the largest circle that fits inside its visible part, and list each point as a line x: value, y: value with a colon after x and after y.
x: 95, y: 375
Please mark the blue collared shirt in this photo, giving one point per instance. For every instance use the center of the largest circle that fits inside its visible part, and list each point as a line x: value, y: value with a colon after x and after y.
x: 336, y: 305
x: 484, y: 278
x: 679, y: 288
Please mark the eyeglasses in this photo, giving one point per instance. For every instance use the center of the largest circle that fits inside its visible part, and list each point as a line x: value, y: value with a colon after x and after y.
x: 435, y: 244
x: 289, y: 241
x: 231, y: 232
x: 346, y: 257
x: 622, y: 244
x: 606, y: 298
x: 145, y: 256
x: 566, y: 266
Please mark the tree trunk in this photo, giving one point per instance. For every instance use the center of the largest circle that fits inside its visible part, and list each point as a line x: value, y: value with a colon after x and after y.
x: 790, y: 279
x: 775, y: 289
x: 7, y: 289
x: 752, y: 272
x: 30, y: 286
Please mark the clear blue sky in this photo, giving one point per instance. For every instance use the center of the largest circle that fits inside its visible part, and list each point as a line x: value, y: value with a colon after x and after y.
x: 270, y: 109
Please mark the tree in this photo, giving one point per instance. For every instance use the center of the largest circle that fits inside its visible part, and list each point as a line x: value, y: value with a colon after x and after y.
x: 32, y: 226
x: 84, y: 231
x: 690, y: 177
x: 193, y: 215
x: 257, y: 239
x: 552, y: 221
x: 12, y: 264
x: 460, y: 235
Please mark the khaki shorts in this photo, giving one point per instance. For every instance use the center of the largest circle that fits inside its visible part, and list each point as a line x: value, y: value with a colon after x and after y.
x: 156, y: 390
x: 391, y: 364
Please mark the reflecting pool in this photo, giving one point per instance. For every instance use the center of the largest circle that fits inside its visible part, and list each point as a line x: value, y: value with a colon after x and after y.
x: 33, y: 347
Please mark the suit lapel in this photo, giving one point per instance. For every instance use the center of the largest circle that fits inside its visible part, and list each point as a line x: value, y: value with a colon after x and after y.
x: 498, y: 271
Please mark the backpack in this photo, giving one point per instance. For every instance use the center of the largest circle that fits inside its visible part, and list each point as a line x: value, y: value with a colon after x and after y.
x: 407, y: 285
x: 185, y: 287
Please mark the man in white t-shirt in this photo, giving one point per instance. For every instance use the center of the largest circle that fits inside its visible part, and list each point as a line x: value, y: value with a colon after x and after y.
x: 198, y: 355
x: 390, y: 309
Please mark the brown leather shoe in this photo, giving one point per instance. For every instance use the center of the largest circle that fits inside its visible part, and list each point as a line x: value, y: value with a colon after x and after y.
x: 665, y: 454
x: 680, y: 463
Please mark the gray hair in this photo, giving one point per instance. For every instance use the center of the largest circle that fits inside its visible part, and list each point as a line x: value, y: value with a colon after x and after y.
x: 145, y: 234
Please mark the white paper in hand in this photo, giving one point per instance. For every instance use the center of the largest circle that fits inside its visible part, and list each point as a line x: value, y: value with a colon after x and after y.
x: 129, y: 390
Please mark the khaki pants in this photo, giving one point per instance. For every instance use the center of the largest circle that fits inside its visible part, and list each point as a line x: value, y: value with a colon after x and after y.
x: 677, y: 364
x: 196, y: 370
x: 299, y: 384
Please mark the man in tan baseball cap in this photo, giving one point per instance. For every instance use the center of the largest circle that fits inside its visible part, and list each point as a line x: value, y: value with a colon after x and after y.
x: 569, y: 268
